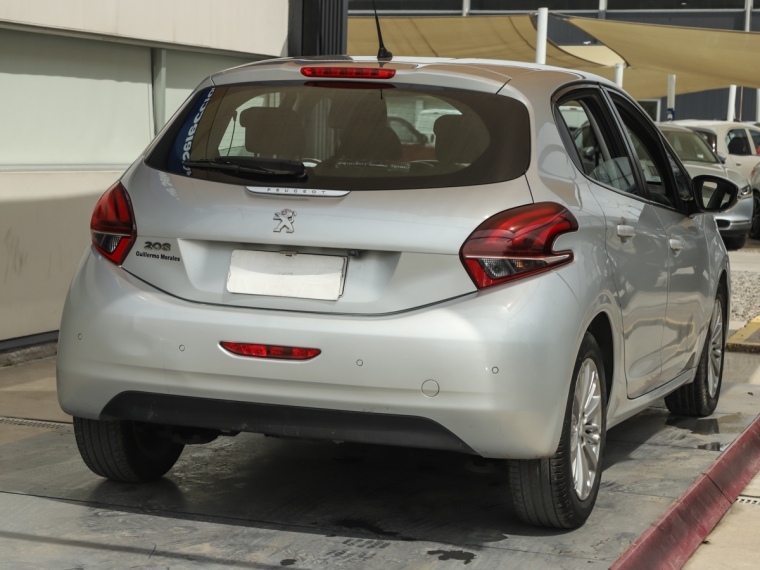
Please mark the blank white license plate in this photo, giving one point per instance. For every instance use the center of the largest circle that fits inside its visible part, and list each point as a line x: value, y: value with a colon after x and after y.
x: 298, y: 275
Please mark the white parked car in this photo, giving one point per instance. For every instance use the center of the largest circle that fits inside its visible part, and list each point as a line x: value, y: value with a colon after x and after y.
x: 272, y: 263
x: 698, y: 158
x: 739, y: 145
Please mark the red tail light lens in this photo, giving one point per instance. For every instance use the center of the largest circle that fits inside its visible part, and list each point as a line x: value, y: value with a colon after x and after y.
x: 517, y: 243
x: 349, y: 72
x: 270, y: 351
x: 113, y: 224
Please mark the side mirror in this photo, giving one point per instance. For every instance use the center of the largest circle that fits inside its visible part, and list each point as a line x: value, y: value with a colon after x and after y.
x: 714, y: 194
x: 722, y: 157
x: 589, y: 152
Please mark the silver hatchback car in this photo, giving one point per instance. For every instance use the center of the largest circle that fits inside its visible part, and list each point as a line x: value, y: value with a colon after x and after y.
x: 277, y: 262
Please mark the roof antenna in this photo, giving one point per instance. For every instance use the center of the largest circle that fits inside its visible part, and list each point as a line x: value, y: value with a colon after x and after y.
x: 382, y: 53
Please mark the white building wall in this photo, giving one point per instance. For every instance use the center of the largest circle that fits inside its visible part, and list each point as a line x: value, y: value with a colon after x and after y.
x: 77, y: 108
x: 246, y: 26
x: 72, y: 101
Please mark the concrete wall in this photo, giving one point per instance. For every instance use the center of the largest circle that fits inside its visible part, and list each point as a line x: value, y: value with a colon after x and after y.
x: 246, y: 26
x: 44, y: 229
x: 78, y: 83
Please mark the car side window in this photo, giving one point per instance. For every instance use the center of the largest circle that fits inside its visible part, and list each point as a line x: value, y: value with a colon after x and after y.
x: 755, y: 139
x: 683, y: 182
x: 653, y: 159
x: 737, y: 142
x: 710, y: 138
x: 596, y: 148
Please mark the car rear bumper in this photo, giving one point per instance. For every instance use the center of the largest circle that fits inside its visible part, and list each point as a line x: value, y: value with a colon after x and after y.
x: 502, y: 359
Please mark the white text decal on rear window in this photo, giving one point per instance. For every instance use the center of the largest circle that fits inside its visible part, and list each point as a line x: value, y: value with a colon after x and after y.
x: 191, y: 131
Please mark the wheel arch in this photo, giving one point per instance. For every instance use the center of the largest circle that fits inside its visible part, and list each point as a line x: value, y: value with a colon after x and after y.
x: 601, y: 329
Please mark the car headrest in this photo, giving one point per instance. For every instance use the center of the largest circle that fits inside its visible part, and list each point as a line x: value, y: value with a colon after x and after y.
x: 459, y: 139
x: 272, y: 131
x: 369, y: 108
x: 737, y: 146
x: 379, y: 142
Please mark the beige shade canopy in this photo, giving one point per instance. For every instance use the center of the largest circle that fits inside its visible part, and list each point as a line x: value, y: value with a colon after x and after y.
x: 514, y: 38
x: 719, y: 57
x: 491, y: 37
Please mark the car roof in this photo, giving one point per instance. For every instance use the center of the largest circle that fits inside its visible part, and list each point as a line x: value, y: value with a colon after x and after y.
x: 470, y: 72
x: 669, y: 126
x: 710, y: 124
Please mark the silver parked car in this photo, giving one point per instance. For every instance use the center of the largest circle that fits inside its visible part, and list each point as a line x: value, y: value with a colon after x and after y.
x: 273, y: 264
x: 698, y: 158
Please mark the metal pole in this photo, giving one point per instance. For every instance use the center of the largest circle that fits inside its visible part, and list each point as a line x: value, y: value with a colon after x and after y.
x: 465, y: 7
x: 159, y: 89
x: 748, y: 15
x: 619, y: 67
x: 671, y: 97
x: 731, y: 103
x: 757, y: 106
x: 541, y: 26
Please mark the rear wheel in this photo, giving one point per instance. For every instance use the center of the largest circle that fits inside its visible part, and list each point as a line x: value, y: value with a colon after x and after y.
x: 736, y: 242
x: 125, y: 451
x: 700, y: 397
x: 560, y: 491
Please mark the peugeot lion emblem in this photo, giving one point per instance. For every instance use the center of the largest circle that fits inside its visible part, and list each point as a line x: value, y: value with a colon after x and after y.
x: 286, y: 218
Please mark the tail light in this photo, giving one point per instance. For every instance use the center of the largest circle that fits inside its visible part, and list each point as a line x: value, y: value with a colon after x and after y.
x: 270, y: 351
x: 517, y: 243
x: 349, y: 72
x: 113, y: 224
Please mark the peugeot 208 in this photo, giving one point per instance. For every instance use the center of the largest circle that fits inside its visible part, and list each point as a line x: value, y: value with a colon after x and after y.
x: 274, y: 263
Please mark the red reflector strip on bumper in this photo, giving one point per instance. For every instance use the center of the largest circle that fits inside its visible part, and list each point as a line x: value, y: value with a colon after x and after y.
x: 270, y: 351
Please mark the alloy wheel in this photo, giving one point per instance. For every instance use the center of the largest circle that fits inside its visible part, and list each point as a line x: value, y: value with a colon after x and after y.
x: 586, y: 429
x: 716, y: 348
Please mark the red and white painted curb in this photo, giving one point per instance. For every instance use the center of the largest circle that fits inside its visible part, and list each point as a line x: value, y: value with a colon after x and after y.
x: 671, y: 540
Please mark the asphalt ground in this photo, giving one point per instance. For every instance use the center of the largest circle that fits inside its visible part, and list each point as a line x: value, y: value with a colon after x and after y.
x: 258, y: 502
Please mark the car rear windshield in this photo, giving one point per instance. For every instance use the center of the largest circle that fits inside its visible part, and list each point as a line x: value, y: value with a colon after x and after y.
x: 690, y: 147
x: 347, y: 136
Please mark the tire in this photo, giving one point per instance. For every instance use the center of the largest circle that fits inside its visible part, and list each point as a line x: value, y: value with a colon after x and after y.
x: 754, y: 231
x: 125, y: 451
x: 544, y: 490
x: 700, y: 397
x: 735, y: 242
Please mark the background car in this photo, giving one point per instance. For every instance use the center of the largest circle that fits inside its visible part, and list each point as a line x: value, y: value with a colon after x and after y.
x: 738, y: 142
x: 698, y: 158
x: 511, y: 298
x: 739, y: 145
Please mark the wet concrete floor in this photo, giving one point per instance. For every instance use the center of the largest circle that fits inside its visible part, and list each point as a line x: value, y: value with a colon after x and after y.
x: 257, y: 502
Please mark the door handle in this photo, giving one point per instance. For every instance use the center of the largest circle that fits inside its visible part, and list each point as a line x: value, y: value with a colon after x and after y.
x: 676, y: 245
x: 625, y: 231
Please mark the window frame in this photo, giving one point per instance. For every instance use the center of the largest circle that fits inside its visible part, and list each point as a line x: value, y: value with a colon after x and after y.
x: 754, y: 147
x: 646, y: 123
x: 749, y: 141
x: 577, y: 91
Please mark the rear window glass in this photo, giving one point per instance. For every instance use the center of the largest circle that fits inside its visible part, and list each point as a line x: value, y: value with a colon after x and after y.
x: 348, y: 136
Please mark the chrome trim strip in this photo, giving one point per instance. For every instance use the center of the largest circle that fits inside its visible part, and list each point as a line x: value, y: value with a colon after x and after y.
x: 296, y: 192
